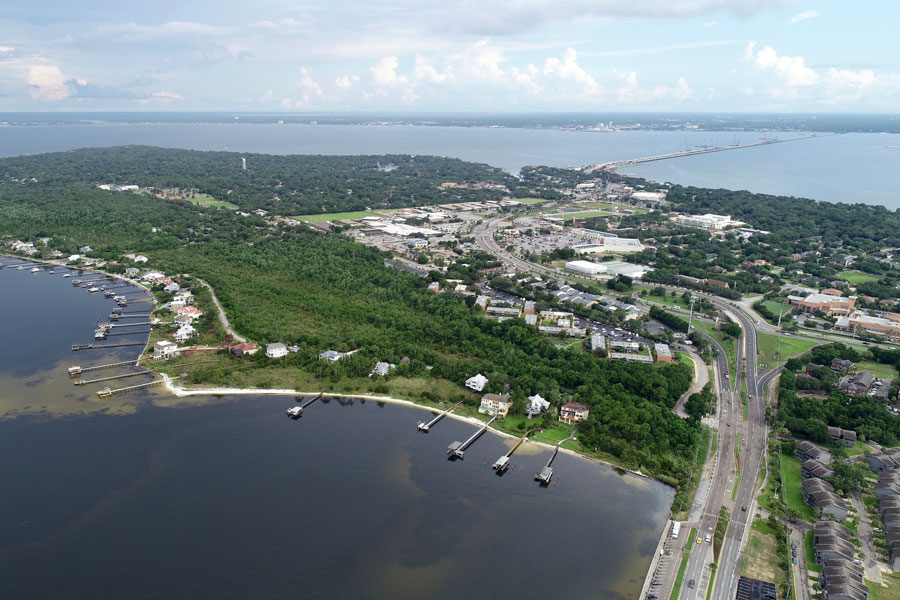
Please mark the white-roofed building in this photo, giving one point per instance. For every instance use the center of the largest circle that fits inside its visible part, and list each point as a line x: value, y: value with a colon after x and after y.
x: 477, y: 382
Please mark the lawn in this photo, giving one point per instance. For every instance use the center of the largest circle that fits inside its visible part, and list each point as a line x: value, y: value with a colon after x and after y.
x: 790, y: 347
x: 207, y: 200
x: 880, y: 592
x: 877, y: 369
x: 777, y: 308
x: 685, y: 359
x: 857, y: 277
x: 811, y: 554
x: 531, y: 200
x: 790, y: 478
x: 336, y: 216
x: 581, y: 215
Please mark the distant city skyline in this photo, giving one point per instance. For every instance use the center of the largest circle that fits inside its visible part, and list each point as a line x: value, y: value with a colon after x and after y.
x: 435, y: 55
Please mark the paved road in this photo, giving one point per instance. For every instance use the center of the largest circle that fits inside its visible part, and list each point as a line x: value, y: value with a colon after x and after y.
x: 222, y: 317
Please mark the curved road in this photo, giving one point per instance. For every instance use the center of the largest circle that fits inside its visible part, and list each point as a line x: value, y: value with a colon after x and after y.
x: 222, y: 317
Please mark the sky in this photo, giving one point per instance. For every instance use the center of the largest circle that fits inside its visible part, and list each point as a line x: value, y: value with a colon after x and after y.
x: 451, y: 55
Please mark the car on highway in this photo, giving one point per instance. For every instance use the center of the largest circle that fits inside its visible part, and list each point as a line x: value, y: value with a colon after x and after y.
x: 708, y: 538
x: 691, y: 584
x: 794, y: 559
x: 699, y: 540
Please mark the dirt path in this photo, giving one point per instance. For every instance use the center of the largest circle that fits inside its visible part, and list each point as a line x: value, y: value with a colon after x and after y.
x: 222, y: 317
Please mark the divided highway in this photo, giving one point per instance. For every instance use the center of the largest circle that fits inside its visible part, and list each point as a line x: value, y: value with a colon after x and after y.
x: 752, y: 447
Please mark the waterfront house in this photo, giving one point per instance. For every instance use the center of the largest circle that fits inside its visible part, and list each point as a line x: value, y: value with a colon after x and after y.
x: 536, y: 405
x: 477, y: 382
x: 132, y: 272
x: 573, y: 413
x: 245, y: 349
x: 184, y: 333
x: 807, y: 450
x: 276, y: 350
x: 495, y: 404
x: 164, y: 350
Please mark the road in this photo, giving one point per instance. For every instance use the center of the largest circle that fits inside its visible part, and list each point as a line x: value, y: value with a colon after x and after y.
x: 222, y: 317
x: 730, y: 419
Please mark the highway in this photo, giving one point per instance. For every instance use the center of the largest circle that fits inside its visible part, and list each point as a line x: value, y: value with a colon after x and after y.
x: 730, y: 422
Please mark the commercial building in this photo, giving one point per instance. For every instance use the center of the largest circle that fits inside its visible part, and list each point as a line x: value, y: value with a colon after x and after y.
x: 654, y: 197
x: 663, y: 353
x: 710, y: 222
x: 584, y: 267
x: 608, y: 244
x: 860, y: 322
x: 826, y: 303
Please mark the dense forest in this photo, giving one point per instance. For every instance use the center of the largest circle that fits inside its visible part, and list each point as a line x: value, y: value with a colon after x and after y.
x: 287, y: 185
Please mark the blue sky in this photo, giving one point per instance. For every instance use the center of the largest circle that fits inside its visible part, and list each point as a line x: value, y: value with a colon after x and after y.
x: 466, y: 55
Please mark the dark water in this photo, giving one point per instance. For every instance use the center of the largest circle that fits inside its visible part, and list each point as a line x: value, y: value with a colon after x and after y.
x: 233, y: 500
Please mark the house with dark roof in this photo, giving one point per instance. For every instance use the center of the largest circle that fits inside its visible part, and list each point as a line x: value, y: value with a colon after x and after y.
x: 820, y: 495
x: 884, y: 461
x: 842, y: 436
x: 755, y: 589
x: 495, y: 404
x: 888, y: 484
x: 856, y: 385
x: 812, y: 468
x: 831, y: 541
x: 842, y: 365
x: 807, y: 450
x: 573, y: 412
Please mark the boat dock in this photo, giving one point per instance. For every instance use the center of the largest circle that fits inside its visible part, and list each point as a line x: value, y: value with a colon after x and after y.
x: 547, y: 472
x: 502, y: 463
x: 75, y: 371
x: 457, y: 449
x: 107, y: 392
x: 296, y: 414
x: 120, y: 325
x: 423, y: 426
x: 110, y: 378
x: 77, y: 347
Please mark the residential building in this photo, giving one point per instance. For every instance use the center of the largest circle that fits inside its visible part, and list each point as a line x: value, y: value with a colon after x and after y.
x: 164, y: 350
x: 598, y: 342
x: 814, y: 469
x: 630, y: 357
x: 847, y: 437
x: 477, y: 382
x: 244, y: 349
x: 825, y: 303
x: 481, y: 302
x: 856, y: 385
x: 807, y: 450
x: 536, y: 405
x: 507, y: 311
x: 663, y: 353
x: 624, y: 346
x: 184, y: 333
x: 842, y: 365
x: 276, y: 350
x: 884, y: 461
x: 434, y: 286
x: 529, y: 307
x: 132, y: 272
x: 332, y: 355
x: 820, y: 495
x: 573, y: 412
x: 495, y: 405
x: 382, y: 368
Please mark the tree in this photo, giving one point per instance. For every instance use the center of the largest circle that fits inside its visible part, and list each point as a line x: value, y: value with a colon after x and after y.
x: 731, y: 329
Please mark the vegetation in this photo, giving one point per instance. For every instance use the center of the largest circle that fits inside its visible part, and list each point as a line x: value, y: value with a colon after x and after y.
x: 791, y: 480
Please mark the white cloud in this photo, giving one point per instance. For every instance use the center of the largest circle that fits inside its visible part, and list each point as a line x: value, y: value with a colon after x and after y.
x: 424, y: 71
x: 47, y: 82
x: 792, y: 70
x: 682, y: 91
x: 803, y: 16
x: 345, y: 82
x: 384, y: 73
x: 568, y: 68
x: 171, y: 29
x: 164, y: 97
x: 5, y: 49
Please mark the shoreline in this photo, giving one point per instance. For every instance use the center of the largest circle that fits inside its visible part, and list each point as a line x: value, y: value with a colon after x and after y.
x: 182, y: 392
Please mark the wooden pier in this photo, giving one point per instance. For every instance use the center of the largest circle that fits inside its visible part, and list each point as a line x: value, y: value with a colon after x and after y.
x: 75, y: 371
x: 77, y: 347
x: 296, y: 414
x: 502, y: 463
x: 423, y: 426
x: 457, y: 450
x: 120, y: 325
x: 110, y: 378
x: 107, y: 392
x: 547, y: 472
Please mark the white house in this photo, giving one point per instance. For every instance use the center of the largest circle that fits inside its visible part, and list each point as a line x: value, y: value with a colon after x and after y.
x: 276, y: 350
x: 172, y: 287
x: 536, y: 405
x: 477, y: 382
x: 382, y: 368
x: 184, y: 333
x: 332, y: 355
x: 164, y: 350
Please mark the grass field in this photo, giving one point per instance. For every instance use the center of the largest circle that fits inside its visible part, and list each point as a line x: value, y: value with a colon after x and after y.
x: 207, y: 200
x: 685, y: 359
x: 811, y: 553
x: 777, y: 308
x: 582, y: 215
x: 761, y: 554
x: 857, y: 277
x: 790, y: 479
x: 877, y: 369
x: 336, y: 216
x: 880, y: 592
x: 790, y: 347
x: 530, y: 200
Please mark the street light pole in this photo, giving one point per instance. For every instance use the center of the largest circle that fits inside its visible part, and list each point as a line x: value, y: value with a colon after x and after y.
x: 691, y: 316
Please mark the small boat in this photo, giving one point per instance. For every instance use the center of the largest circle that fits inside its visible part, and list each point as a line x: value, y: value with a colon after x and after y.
x: 93, y: 289
x: 35, y: 270
x: 294, y: 412
x: 20, y: 268
x: 51, y: 272
x: 100, y: 334
x: 109, y: 293
x: 67, y: 275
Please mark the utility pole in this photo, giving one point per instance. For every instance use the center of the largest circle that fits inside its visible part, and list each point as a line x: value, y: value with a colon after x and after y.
x: 691, y: 315
x: 778, y: 346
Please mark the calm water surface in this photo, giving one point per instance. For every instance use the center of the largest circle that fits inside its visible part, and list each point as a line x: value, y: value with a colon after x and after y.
x: 232, y: 500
